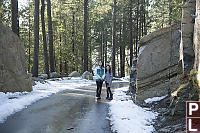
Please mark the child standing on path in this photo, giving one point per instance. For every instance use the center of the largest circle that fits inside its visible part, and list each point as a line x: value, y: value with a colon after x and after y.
x: 100, y: 75
x: 108, y: 80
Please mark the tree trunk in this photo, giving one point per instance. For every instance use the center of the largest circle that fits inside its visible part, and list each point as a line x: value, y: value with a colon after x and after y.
x: 137, y: 23
x: 60, y: 52
x: 118, y: 65
x: 36, y: 39
x: 73, y: 40
x: 114, y: 37
x: 85, y: 68
x: 90, y: 57
x: 142, y: 17
x: 44, y: 39
x: 15, y: 17
x: 101, y: 47
x: 123, y: 46
x: 120, y: 48
x: 131, y: 34
x: 66, y: 66
x: 65, y: 44
x: 139, y: 19
x: 50, y: 31
x: 145, y: 13
x: 105, y: 52
x: 29, y: 40
x: 60, y: 57
x: 170, y: 12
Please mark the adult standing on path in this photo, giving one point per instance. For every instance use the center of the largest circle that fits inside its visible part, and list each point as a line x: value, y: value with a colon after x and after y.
x: 108, y: 80
x: 100, y: 75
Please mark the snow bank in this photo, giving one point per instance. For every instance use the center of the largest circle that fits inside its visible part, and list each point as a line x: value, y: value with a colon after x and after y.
x: 154, y: 99
x: 127, y: 78
x: 11, y: 103
x: 127, y: 117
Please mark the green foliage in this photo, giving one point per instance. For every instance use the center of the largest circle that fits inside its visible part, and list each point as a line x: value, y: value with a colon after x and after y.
x: 148, y: 15
x: 159, y: 13
x: 5, y: 12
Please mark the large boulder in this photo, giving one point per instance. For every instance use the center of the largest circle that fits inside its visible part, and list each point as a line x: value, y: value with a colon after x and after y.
x: 158, y: 58
x: 74, y: 74
x: 55, y: 75
x: 13, y: 76
x: 87, y: 75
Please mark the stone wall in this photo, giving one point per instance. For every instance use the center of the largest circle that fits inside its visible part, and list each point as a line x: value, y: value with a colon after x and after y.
x: 13, y: 77
x: 157, y: 60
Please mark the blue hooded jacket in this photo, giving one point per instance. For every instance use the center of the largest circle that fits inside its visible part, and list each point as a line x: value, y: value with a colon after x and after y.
x: 100, y: 73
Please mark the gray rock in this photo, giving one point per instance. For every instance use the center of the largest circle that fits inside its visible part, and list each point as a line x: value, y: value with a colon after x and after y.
x: 13, y: 76
x: 155, y: 62
x: 55, y: 75
x: 74, y: 74
x: 43, y: 76
x: 87, y: 75
x: 172, y: 129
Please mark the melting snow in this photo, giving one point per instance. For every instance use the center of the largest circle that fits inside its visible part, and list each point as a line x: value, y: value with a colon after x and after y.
x: 127, y: 117
x: 11, y: 103
x: 154, y: 99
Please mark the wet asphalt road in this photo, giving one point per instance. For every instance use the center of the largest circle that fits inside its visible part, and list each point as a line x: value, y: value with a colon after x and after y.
x: 70, y: 111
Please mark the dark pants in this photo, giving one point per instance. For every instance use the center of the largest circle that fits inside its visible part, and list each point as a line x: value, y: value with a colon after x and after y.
x: 109, y: 93
x: 99, y: 87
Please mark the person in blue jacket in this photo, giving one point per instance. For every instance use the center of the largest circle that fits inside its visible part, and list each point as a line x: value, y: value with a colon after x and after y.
x: 100, y: 75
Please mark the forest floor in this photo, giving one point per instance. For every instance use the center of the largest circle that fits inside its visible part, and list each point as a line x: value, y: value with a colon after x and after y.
x: 69, y: 106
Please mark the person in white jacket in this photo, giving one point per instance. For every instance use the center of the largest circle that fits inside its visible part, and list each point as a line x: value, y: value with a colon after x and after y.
x: 100, y: 75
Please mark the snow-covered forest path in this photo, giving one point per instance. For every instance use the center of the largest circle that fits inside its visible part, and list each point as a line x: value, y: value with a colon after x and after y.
x: 69, y: 111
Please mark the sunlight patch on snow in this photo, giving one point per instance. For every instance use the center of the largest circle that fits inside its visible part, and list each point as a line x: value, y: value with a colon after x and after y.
x: 127, y: 117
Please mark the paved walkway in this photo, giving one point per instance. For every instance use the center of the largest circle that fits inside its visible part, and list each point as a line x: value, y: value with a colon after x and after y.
x: 70, y: 111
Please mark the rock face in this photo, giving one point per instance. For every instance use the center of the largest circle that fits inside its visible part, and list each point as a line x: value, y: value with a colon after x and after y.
x: 87, y: 75
x: 197, y: 44
x: 74, y: 74
x: 157, y: 60
x: 13, y: 76
x: 187, y: 28
x: 154, y: 69
x: 197, y: 37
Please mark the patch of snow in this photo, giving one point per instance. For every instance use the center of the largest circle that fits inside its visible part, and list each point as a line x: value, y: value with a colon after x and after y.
x: 154, y: 99
x: 127, y: 78
x: 140, y: 50
x: 11, y: 103
x: 127, y: 117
